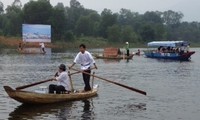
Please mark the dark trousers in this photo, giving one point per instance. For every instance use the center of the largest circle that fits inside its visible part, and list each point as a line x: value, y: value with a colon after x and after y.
x: 58, y: 88
x: 43, y: 50
x: 86, y: 79
x: 127, y: 52
x: 181, y: 52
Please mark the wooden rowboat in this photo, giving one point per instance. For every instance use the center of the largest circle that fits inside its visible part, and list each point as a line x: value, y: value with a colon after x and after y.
x: 44, y: 98
x: 24, y: 52
x: 113, y: 57
x: 113, y: 53
x: 30, y: 51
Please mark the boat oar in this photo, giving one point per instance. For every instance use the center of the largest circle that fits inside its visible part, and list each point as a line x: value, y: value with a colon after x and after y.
x: 33, y: 84
x: 79, y: 72
x: 70, y: 78
x: 116, y: 83
x: 73, y: 73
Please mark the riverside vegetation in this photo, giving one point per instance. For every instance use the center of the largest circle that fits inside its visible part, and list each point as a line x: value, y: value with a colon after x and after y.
x: 75, y: 23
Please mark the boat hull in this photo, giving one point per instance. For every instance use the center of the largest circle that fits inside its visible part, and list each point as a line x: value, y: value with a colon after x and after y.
x: 28, y: 52
x: 40, y: 98
x: 172, y: 56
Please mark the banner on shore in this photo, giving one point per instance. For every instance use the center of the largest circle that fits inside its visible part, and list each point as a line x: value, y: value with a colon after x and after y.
x: 36, y: 33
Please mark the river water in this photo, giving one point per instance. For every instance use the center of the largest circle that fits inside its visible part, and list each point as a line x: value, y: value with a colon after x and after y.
x: 173, y: 88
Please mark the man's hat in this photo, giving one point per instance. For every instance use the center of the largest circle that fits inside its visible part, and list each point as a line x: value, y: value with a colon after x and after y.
x: 62, y: 67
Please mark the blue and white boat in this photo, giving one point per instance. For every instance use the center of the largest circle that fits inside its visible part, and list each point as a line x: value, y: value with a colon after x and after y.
x: 175, y: 50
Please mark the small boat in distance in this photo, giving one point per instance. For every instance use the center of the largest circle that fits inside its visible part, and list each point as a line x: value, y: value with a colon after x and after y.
x: 29, y: 97
x: 113, y: 53
x: 174, y: 50
x: 30, y: 51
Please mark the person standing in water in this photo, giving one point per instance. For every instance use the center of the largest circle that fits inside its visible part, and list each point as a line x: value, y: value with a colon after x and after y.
x: 127, y: 49
x: 42, y: 47
x: 85, y: 59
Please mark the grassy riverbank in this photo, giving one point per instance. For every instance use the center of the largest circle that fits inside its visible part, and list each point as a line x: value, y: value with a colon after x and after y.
x: 91, y: 42
x: 13, y: 42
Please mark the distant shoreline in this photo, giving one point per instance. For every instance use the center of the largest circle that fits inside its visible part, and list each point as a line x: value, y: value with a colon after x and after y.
x: 13, y: 42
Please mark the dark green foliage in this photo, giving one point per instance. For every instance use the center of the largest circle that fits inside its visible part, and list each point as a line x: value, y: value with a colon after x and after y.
x: 12, y: 21
x: 108, y: 19
x: 1, y: 7
x: 58, y: 21
x: 75, y: 22
x: 37, y: 12
x: 68, y: 36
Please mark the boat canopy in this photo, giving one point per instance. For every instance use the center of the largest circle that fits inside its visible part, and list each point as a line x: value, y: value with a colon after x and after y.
x: 167, y: 43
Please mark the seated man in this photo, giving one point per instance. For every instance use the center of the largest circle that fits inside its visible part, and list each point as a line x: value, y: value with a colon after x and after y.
x: 63, y: 84
x: 138, y: 52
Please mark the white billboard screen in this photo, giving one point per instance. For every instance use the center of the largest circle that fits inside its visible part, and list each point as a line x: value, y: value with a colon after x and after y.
x: 36, y: 33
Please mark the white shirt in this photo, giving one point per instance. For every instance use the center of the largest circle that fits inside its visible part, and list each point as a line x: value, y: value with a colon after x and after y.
x: 188, y: 48
x: 42, y: 45
x: 63, y: 79
x: 85, y: 59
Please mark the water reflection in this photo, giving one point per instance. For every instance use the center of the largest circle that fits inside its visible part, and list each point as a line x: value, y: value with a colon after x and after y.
x: 115, y: 61
x: 61, y: 111
x: 25, y: 111
x: 169, y: 60
x: 107, y: 61
x: 88, y: 112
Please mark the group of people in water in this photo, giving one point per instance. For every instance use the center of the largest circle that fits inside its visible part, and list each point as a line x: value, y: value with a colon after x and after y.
x: 85, y: 59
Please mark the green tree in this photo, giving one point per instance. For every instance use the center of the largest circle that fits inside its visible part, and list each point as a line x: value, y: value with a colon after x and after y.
x: 114, y: 33
x: 58, y: 21
x: 88, y: 25
x: 126, y: 17
x: 83, y: 26
x: 170, y: 17
x: 153, y: 17
x: 128, y: 34
x: 186, y: 31
x: 1, y: 7
x: 73, y: 13
x: 17, y: 3
x: 108, y: 19
x: 13, y: 21
x: 69, y: 36
x: 1, y: 17
x: 94, y: 23
x: 147, y: 33
x: 37, y: 12
x: 160, y: 32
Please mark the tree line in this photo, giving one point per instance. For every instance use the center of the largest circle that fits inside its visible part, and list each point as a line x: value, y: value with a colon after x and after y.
x: 74, y: 21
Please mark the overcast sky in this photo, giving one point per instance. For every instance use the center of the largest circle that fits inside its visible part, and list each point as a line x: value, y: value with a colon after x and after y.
x: 190, y: 8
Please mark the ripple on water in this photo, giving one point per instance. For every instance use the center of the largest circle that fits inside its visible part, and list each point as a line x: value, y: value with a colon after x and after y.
x: 172, y: 89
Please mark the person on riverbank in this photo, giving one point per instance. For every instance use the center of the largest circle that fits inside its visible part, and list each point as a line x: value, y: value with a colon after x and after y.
x: 85, y: 59
x: 63, y: 82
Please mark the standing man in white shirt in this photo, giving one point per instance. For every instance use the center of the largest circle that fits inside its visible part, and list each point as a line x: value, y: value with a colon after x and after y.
x: 63, y: 82
x: 85, y: 59
x: 42, y: 47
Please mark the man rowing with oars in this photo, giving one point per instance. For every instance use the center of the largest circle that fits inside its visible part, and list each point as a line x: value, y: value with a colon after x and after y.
x: 63, y: 84
x: 85, y: 59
